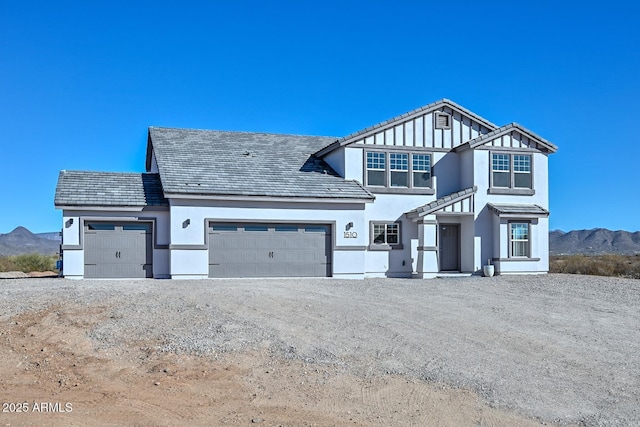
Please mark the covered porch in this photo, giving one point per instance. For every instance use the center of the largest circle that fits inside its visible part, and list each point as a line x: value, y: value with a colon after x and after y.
x: 446, y: 243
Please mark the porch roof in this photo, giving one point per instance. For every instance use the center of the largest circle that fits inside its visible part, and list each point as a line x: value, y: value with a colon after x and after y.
x: 517, y: 210
x: 441, y: 203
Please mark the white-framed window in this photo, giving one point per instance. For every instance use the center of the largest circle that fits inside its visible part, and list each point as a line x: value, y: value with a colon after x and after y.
x: 421, y: 167
x: 519, y: 240
x: 376, y: 168
x: 399, y: 168
x: 385, y: 234
x: 402, y: 170
x: 522, y: 171
x: 511, y: 171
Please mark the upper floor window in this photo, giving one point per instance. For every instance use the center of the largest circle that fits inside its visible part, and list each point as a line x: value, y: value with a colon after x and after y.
x: 399, y: 166
x: 521, y: 171
x: 421, y: 170
x: 511, y: 172
x: 403, y: 170
x: 376, y: 168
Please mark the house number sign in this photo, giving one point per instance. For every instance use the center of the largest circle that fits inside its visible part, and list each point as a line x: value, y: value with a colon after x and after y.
x: 350, y: 235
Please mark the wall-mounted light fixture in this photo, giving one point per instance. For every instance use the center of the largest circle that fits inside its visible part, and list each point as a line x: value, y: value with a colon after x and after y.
x: 69, y: 223
x: 186, y: 223
x: 349, y: 226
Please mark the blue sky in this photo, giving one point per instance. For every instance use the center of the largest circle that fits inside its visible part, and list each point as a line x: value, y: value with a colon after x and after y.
x: 81, y: 81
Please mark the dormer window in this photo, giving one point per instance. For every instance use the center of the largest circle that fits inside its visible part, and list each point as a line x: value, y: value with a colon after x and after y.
x: 443, y: 121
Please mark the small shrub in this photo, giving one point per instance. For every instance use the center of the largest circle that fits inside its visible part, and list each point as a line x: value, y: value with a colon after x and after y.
x: 34, y: 262
x: 7, y: 264
x: 597, y: 265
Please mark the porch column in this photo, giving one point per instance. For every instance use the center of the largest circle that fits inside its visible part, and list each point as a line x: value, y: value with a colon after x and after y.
x: 427, y: 251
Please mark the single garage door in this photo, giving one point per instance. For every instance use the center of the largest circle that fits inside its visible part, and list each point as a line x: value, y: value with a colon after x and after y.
x: 269, y: 250
x: 118, y: 250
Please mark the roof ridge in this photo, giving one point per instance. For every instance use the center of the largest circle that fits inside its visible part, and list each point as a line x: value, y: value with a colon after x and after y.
x: 72, y: 171
x: 240, y: 132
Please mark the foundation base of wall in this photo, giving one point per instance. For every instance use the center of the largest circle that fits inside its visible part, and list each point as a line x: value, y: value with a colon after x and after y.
x: 349, y: 276
x: 189, y: 276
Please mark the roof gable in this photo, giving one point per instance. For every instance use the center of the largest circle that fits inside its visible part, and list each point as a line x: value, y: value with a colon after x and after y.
x: 217, y: 163
x: 415, y: 128
x: 512, y: 135
x: 460, y: 202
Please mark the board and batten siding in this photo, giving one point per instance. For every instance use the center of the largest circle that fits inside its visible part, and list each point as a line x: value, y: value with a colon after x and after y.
x: 461, y: 206
x: 513, y: 139
x: 420, y: 131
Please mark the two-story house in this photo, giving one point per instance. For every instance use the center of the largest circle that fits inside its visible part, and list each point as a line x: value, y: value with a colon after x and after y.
x: 438, y: 190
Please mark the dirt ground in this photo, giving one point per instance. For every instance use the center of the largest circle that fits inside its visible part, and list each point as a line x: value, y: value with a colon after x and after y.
x: 53, y: 375
x: 501, y: 351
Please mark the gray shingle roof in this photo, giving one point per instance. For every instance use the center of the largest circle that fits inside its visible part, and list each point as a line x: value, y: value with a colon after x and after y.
x: 80, y: 188
x: 204, y: 162
x: 517, y: 209
x: 441, y: 202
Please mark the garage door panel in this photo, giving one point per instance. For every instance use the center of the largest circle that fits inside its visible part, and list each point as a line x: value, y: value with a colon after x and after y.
x: 123, y: 271
x: 269, y: 250
x: 119, y: 250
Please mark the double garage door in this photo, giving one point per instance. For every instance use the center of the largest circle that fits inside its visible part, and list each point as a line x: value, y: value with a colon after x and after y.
x: 118, y: 250
x: 125, y: 250
x: 269, y: 250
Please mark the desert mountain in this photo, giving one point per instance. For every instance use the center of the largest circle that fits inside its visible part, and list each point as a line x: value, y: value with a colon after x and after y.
x: 22, y: 241
x: 594, y: 242
x: 588, y: 242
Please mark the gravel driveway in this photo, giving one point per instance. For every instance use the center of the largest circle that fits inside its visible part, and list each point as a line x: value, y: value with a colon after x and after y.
x: 558, y: 347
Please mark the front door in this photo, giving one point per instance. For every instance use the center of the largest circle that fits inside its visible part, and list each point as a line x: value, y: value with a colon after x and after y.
x: 449, y: 247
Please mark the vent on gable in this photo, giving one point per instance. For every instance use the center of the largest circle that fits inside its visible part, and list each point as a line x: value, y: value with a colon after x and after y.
x: 443, y: 121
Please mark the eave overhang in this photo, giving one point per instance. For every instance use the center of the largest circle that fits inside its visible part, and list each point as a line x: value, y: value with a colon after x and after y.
x: 109, y: 208
x: 257, y: 198
x: 517, y: 210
